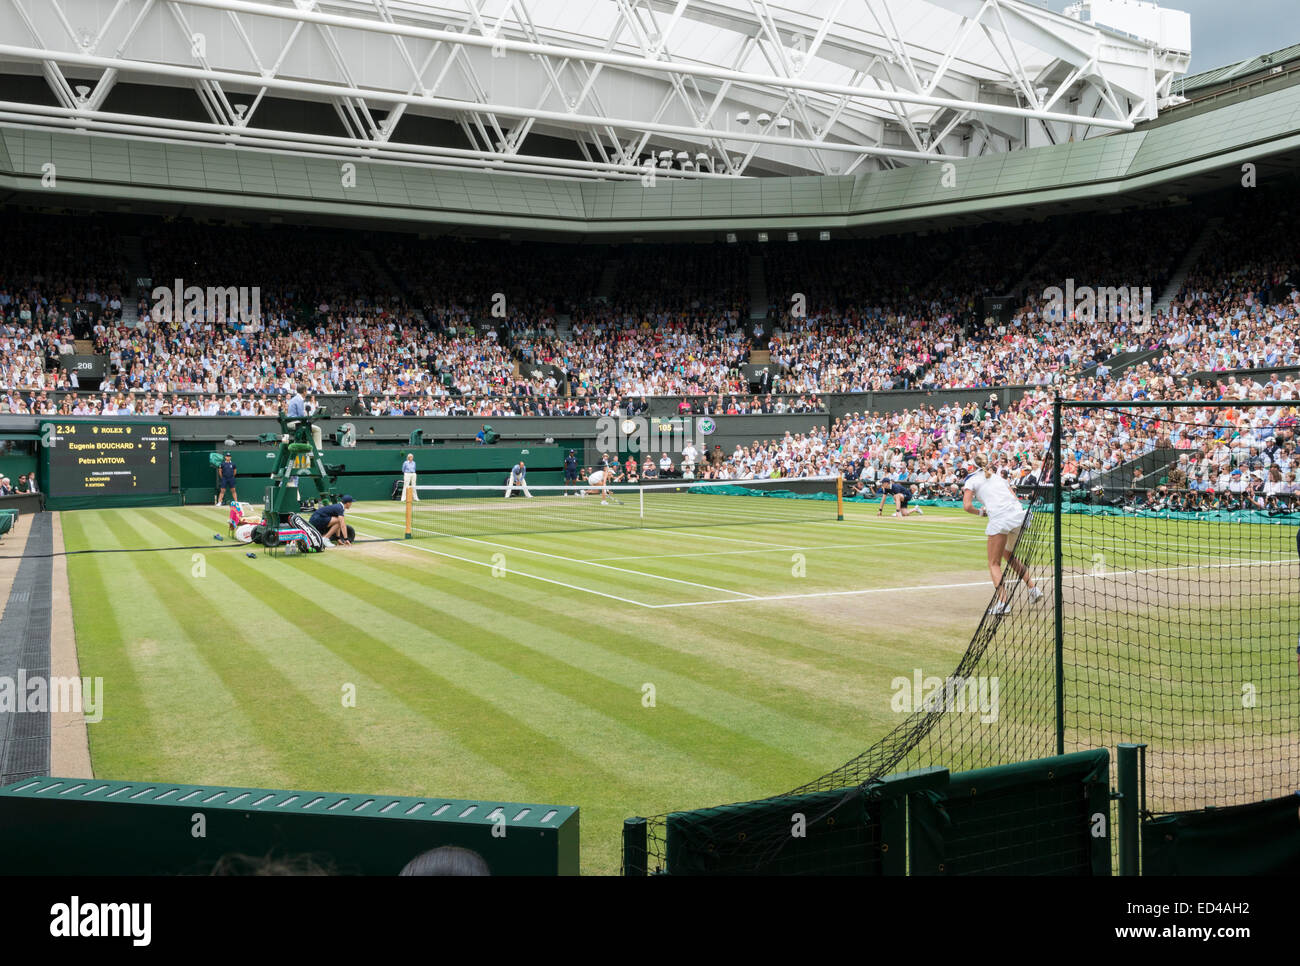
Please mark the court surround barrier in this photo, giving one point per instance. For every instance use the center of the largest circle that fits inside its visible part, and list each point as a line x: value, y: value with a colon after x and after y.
x: 1050, y: 816
x: 85, y: 826
x: 1262, y: 838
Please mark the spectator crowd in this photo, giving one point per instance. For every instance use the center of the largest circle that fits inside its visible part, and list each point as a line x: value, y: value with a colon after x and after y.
x: 375, y: 325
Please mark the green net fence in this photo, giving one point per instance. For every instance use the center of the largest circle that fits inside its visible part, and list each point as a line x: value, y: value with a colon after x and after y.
x: 1177, y: 629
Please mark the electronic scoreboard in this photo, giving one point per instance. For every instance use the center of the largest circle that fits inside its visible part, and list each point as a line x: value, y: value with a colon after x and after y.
x: 106, y: 458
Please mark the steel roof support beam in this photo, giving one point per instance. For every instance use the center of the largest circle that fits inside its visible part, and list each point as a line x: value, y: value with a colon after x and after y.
x: 636, y: 63
x: 38, y: 116
x: 509, y: 110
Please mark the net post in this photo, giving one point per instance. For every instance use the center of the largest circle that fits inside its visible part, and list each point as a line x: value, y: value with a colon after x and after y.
x: 410, y: 505
x: 839, y: 497
x: 640, y: 496
x: 1058, y: 572
x: 635, y: 848
x: 1130, y: 806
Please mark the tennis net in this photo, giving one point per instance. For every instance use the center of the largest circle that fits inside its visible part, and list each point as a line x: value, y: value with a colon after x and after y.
x: 481, y: 510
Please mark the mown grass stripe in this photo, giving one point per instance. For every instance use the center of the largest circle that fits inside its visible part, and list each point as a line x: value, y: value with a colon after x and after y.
x: 672, y: 724
x: 156, y: 643
x: 267, y: 699
x: 537, y: 759
x: 717, y: 687
x: 788, y: 647
x: 531, y: 678
x: 128, y: 738
x: 376, y: 716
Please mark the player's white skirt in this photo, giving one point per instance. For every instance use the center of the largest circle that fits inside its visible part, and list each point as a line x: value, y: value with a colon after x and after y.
x: 1008, y: 523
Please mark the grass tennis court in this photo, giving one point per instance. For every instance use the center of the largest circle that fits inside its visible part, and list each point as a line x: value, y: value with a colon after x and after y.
x: 516, y: 666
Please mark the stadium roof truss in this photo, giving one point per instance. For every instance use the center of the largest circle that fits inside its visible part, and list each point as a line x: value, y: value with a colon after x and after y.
x: 695, y: 88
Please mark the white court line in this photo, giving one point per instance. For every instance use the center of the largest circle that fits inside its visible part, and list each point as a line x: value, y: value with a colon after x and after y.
x: 519, y: 573
x: 748, y: 598
x: 924, y: 519
x: 830, y: 593
x: 651, y: 531
x: 892, y: 523
x: 1075, y: 539
x: 838, y: 546
x: 919, y: 528
x: 1157, y: 551
x: 977, y: 583
x: 589, y: 563
x: 741, y: 519
x: 714, y: 536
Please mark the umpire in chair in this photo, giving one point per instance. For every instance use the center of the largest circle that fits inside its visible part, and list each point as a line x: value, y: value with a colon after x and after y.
x: 297, y: 410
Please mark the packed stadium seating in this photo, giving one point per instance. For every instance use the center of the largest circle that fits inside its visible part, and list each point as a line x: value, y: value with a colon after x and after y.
x: 461, y: 327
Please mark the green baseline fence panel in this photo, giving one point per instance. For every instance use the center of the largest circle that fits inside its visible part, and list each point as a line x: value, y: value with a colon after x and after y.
x: 369, y: 473
x: 1045, y: 817
x: 1262, y: 838
x: 79, y: 826
x: 853, y: 831
x: 433, y: 462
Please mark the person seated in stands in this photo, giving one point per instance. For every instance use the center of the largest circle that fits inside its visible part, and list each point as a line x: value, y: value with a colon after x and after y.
x: 5, y: 488
x: 1277, y: 493
x: 1238, y: 487
x: 1158, y: 499
x: 666, y: 466
x: 649, y: 471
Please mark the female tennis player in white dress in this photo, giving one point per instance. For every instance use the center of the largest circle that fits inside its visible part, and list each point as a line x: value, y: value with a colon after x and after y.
x: 1006, y: 517
x: 600, y: 481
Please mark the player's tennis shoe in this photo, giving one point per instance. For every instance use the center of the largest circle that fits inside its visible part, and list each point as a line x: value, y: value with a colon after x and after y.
x: 999, y: 608
x: 604, y: 503
x: 1035, y: 594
